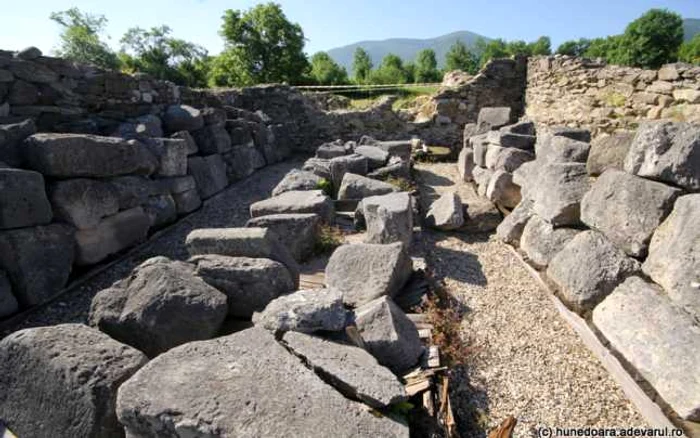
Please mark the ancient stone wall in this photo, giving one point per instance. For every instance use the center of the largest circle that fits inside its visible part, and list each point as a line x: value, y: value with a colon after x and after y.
x: 563, y: 90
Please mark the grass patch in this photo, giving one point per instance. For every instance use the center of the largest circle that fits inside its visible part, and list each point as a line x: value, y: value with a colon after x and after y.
x: 328, y: 239
x: 403, y: 184
x: 615, y: 99
x: 364, y: 98
x: 326, y: 186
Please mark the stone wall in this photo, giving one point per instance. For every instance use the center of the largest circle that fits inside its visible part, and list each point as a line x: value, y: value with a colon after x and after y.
x: 563, y: 90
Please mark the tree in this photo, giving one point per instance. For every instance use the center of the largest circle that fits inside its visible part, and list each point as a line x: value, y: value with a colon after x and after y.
x: 690, y: 51
x: 409, y: 70
x: 574, y: 48
x: 80, y: 38
x: 652, y: 40
x: 458, y: 57
x: 606, y: 48
x: 325, y: 71
x: 426, y: 66
x: 390, y: 71
x: 361, y: 65
x: 492, y: 50
x: 515, y: 48
x: 261, y: 46
x: 543, y: 46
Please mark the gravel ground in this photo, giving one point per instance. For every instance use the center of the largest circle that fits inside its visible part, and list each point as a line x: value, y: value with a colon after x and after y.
x: 526, y: 360
x: 229, y: 208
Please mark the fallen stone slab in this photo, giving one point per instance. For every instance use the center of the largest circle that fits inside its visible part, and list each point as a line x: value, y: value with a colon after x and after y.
x: 111, y: 235
x: 305, y: 311
x: 161, y: 305
x: 557, y: 192
x: 51, y: 373
x: 210, y: 174
x: 541, y: 241
x: 332, y: 150
x: 182, y: 118
x: 660, y: 341
x: 187, y: 202
x: 509, y: 140
x: 84, y: 155
x: 465, y: 164
x: 608, y: 152
x: 298, y: 232
x: 502, y: 190
x: 511, y: 229
x: 83, y: 202
x: 588, y: 268
x: 494, y: 118
x: 133, y: 191
x: 480, y: 216
x: 249, y: 385
x: 522, y: 128
x: 446, y: 213
x: 249, y: 283
x: 242, y: 242
x: 8, y: 302
x: 559, y: 149
x: 38, y: 261
x: 296, y: 180
x: 296, y: 201
x: 362, y: 272
x: 318, y: 166
x: 397, y: 148
x: 395, y: 168
x: 359, y: 187
x: 388, y: 334
x: 171, y: 155
x: 389, y: 218
x: 627, y: 209
x: 351, y: 370
x: 673, y: 260
x: 23, y: 201
x: 480, y: 145
x: 376, y: 156
x: 668, y: 152
x: 508, y: 159
x: 339, y: 166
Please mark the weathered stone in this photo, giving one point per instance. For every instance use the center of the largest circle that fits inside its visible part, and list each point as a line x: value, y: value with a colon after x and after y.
x: 541, y: 241
x: 480, y: 145
x: 559, y: 149
x: 687, y: 95
x: 388, y: 334
x: 249, y: 283
x: 297, y: 179
x: 23, y: 201
x: 502, y: 190
x: 161, y: 210
x: 389, y: 218
x: 494, y: 118
x: 511, y: 140
x: 296, y: 231
x: 82, y: 155
x: 187, y: 201
x: 182, y: 118
x: 376, y: 156
x: 242, y: 384
x: 396, y: 148
x: 608, y: 152
x: 28, y: 53
x: 482, y: 176
x: 8, y: 302
x: 673, y: 260
x: 465, y: 164
x: 521, y: 128
x: 144, y: 127
x: 339, y: 166
x: 446, y: 213
x: 332, y: 150
x: 558, y: 191
x: 38, y: 261
x: 310, y: 201
x: 511, y: 229
x: 11, y: 138
x: 359, y: 187
x: 160, y: 306
x: 507, y: 159
x: 210, y: 174
x: 191, y: 145
x: 171, y: 155
x: 588, y: 268
x: 627, y: 209
x: 212, y: 139
x: 305, y: 311
x: 668, y: 73
x: 242, y: 161
x: 23, y: 93
x: 32, y: 71
x: 480, y: 216
x: 668, y: 152
x: 526, y: 175
x: 661, y: 342
x: 578, y: 134
x: 352, y: 370
x: 318, y: 166
x: 49, y: 374
x: 213, y: 116
x: 111, y: 235
x: 363, y: 272
x: 133, y: 191
x: 242, y: 242
x: 83, y: 202
x: 395, y: 168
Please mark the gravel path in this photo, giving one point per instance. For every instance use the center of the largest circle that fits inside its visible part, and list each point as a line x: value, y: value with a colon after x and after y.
x: 229, y: 208
x: 527, y: 362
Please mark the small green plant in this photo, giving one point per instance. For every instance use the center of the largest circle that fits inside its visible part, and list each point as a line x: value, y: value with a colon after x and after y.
x: 615, y: 99
x: 326, y: 186
x: 329, y: 238
x: 403, y: 184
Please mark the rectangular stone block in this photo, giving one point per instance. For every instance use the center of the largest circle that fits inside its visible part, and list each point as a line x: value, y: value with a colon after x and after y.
x: 111, y: 235
x: 23, y: 201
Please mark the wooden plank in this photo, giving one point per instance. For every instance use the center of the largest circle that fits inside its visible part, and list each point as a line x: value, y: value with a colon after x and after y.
x: 429, y: 402
x: 417, y: 317
x: 425, y: 334
x: 5, y: 432
x: 433, y: 356
x: 418, y: 387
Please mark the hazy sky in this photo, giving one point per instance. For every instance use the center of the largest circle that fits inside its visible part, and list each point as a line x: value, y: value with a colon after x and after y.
x: 332, y: 23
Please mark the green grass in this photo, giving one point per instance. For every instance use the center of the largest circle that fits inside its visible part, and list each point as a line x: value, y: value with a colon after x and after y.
x: 365, y: 98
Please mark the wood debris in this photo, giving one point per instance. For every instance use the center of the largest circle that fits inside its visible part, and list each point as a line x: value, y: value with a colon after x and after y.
x: 505, y: 430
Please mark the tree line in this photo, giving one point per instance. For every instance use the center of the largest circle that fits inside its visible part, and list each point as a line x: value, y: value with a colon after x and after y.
x: 262, y: 46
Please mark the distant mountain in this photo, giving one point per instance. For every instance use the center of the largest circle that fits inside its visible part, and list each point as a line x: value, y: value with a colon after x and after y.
x: 406, y: 48
x: 691, y: 26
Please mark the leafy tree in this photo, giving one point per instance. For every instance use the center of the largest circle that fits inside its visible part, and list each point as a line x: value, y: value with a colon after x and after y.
x: 409, y: 70
x: 492, y: 50
x: 426, y: 66
x: 80, y: 38
x: 690, y: 50
x: 460, y: 58
x: 519, y: 47
x: 325, y: 71
x: 361, y: 65
x: 606, y: 48
x: 543, y: 46
x: 390, y: 71
x: 261, y: 46
x: 574, y: 48
x: 652, y: 40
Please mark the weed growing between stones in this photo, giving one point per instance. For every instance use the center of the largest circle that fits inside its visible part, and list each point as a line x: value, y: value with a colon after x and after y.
x: 444, y: 314
x: 329, y: 238
x: 326, y: 186
x: 403, y: 184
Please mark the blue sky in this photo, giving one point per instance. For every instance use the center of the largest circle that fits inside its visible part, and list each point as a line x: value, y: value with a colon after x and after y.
x: 332, y: 23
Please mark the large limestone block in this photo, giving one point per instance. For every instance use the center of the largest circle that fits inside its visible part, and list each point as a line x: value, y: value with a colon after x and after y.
x: 511, y: 229
x: 502, y: 190
x: 23, y: 201
x: 11, y: 138
x: 62, y: 380
x: 38, y: 261
x: 249, y: 283
x: 465, y: 164
x: 318, y: 166
x: 332, y: 150
x: 83, y: 202
x: 557, y: 192
x: 187, y: 202
x: 84, y: 155
x: 608, y: 152
x: 339, y: 166
x: 388, y: 334
x: 212, y: 139
x: 526, y: 175
x: 161, y: 305
x: 389, y: 218
x: 376, y: 156
x: 190, y: 144
x: 674, y: 254
x: 210, y: 174
x: 297, y: 179
x: 363, y: 271
x: 305, y: 311
x: 660, y: 341
x: 295, y: 201
x: 494, y: 118
x: 541, y: 241
x: 668, y: 152
x: 359, y: 187
x: 397, y: 148
x: 182, y: 118
x: 245, y: 384
x: 480, y: 216
x: 111, y: 235
x: 297, y: 232
x: 395, y: 168
x: 356, y: 372
x: 446, y: 212
x: 133, y: 191
x: 508, y: 139
x: 560, y: 149
x: 242, y: 161
x: 482, y: 176
x: 8, y: 302
x: 161, y: 210
x: 578, y: 134
x: 171, y: 154
x: 588, y: 268
x: 627, y: 209
x: 508, y: 159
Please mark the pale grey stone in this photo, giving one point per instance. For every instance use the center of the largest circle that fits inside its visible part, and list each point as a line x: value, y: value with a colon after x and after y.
x: 210, y: 174
x: 541, y: 241
x: 446, y: 212
x: 305, y: 311
x: 296, y: 180
x: 389, y: 218
x: 511, y: 229
x: 82, y: 202
x: 376, y: 156
x: 465, y: 164
x: 339, y: 166
x: 23, y: 201
x: 494, y: 118
x: 559, y: 149
x: 111, y: 235
x: 359, y: 187
x: 502, y: 190
x: 608, y: 152
x: 310, y: 201
x: 558, y: 191
x: 298, y: 232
